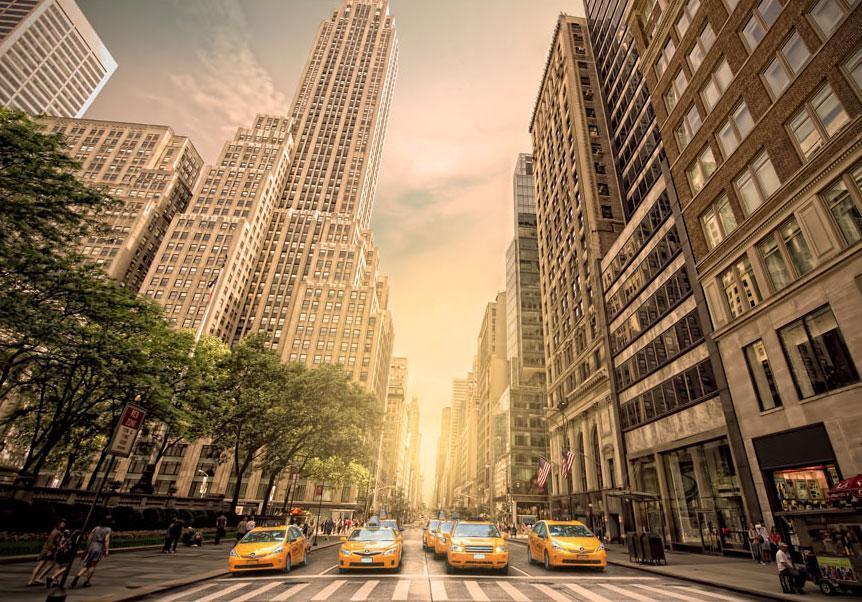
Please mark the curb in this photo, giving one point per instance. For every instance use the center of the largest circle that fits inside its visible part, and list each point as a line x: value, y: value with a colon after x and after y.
x: 178, y: 583
x: 35, y: 557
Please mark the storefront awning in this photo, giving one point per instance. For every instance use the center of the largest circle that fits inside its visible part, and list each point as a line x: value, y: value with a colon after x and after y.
x: 846, y: 489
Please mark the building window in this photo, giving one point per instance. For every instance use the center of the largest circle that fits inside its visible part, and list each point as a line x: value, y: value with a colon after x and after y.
x: 817, y: 355
x: 688, y: 127
x: 786, y: 64
x: 756, y: 183
x: 686, y: 17
x: 828, y: 14
x: 717, y: 222
x: 853, y: 66
x: 719, y: 80
x: 740, y: 287
x: 701, y: 46
x: 843, y: 203
x: 761, y: 376
x: 666, y: 55
x: 817, y: 120
x: 735, y: 129
x: 675, y: 90
x: 761, y: 20
x: 701, y: 169
x: 785, y: 254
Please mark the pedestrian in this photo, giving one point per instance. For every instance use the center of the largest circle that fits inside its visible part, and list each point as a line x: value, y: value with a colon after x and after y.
x: 63, y: 557
x: 98, y: 547
x: 789, y: 571
x: 754, y: 544
x: 765, y: 548
x: 242, y: 528
x: 46, y: 559
x: 166, y: 548
x: 221, y: 527
x: 774, y: 538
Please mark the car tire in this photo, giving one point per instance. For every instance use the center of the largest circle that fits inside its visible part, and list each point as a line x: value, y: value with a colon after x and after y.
x: 504, y: 570
x: 287, y: 564
x: 450, y: 570
x: 547, y: 562
x: 530, y: 555
x: 342, y: 571
x: 304, y: 558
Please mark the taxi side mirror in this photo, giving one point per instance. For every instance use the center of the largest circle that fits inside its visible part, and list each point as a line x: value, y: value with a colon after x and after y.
x: 343, y: 538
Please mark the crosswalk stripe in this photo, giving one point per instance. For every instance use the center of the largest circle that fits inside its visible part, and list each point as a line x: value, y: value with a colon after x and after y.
x: 221, y: 592
x: 363, y: 592
x: 585, y: 593
x: 402, y: 590
x: 630, y: 594
x: 289, y: 593
x: 185, y: 593
x: 512, y: 591
x: 475, y: 591
x: 327, y: 591
x: 438, y: 591
x: 701, y: 592
x: 251, y: 595
x: 667, y: 593
x: 551, y: 594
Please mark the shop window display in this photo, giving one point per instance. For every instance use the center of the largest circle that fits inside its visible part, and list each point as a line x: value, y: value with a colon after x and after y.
x: 804, y: 488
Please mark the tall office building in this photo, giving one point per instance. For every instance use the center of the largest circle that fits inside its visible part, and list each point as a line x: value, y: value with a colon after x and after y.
x: 441, y: 471
x: 578, y: 217
x: 149, y: 169
x: 464, y: 481
x: 762, y: 121
x: 51, y: 60
x: 393, y: 445
x: 413, y: 480
x: 519, y: 431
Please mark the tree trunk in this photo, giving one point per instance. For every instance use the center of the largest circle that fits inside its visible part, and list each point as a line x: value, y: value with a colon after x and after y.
x: 270, y: 484
x: 67, y: 472
x: 239, y: 471
x: 94, y: 475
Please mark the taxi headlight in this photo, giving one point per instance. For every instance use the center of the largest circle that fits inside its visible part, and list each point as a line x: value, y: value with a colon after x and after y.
x: 278, y: 550
x: 346, y: 551
x: 443, y: 538
x: 557, y: 546
x: 233, y: 553
x: 501, y: 549
x: 457, y: 548
x: 390, y: 551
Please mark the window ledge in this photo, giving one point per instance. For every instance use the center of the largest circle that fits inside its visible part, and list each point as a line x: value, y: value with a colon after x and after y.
x: 820, y: 396
x: 772, y: 411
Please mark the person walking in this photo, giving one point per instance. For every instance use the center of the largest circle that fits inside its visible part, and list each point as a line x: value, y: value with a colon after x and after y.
x: 754, y: 544
x: 774, y: 538
x: 176, y: 531
x: 765, y: 547
x: 221, y: 527
x: 63, y: 557
x: 242, y: 528
x: 46, y: 558
x: 98, y: 547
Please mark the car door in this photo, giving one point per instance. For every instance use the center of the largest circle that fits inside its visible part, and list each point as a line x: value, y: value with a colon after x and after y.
x: 536, y: 541
x: 294, y: 543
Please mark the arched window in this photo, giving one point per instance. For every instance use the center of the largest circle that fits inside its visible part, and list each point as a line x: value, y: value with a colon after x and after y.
x: 582, y: 467
x: 597, y: 458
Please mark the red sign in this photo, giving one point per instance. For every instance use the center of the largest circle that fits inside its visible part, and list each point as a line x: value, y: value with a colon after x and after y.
x: 127, y: 431
x: 318, y: 490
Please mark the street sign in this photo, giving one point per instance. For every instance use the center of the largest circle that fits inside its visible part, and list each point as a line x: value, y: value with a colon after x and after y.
x: 127, y: 431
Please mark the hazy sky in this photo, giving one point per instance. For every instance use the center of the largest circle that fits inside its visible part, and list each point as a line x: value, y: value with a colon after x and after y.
x: 469, y: 72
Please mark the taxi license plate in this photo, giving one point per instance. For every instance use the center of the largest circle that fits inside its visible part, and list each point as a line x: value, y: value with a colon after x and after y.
x: 582, y: 556
x: 367, y: 560
x: 478, y: 556
x: 252, y: 561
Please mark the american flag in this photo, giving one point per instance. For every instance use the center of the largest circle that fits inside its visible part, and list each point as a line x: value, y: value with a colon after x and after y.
x: 568, y: 461
x: 542, y: 472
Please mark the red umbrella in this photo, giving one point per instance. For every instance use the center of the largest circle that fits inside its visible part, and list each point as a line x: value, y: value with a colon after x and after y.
x: 847, y: 489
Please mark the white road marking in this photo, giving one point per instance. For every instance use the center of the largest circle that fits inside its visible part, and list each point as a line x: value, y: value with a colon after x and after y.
x: 551, y: 594
x: 438, y: 591
x: 512, y: 591
x: 701, y: 592
x: 630, y: 594
x: 289, y: 593
x: 185, y: 593
x: 420, y: 576
x: 523, y: 572
x: 475, y: 591
x: 221, y: 592
x: 324, y: 571
x: 256, y: 592
x: 667, y: 593
x: 363, y: 592
x: 585, y: 593
x: 327, y: 591
x: 402, y: 590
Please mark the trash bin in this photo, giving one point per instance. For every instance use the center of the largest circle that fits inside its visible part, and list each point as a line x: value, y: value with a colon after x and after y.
x: 638, y: 546
x: 646, y: 552
x: 630, y: 544
x: 656, y: 548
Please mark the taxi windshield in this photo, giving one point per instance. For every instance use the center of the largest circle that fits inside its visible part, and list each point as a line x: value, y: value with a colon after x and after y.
x: 274, y: 536
x: 468, y: 530
x: 569, y: 531
x: 372, y: 535
x: 433, y: 524
x: 445, y: 527
x: 391, y: 524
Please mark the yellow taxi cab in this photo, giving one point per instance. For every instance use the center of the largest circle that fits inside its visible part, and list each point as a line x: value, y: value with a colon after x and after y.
x: 477, y: 545
x: 565, y: 543
x: 269, y: 548
x: 428, y: 535
x: 393, y: 524
x: 441, y: 538
x: 370, y: 547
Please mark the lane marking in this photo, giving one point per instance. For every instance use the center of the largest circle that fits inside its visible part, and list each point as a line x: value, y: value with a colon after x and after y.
x: 221, y: 592
x: 363, y: 592
x: 523, y: 572
x: 528, y: 576
x: 584, y: 592
x: 327, y: 591
x: 324, y: 571
x: 286, y: 595
x: 625, y: 592
x: 513, y: 592
x: 476, y: 592
x: 185, y: 593
x: 256, y: 592
x: 667, y: 593
x: 438, y: 591
x: 551, y: 594
x: 701, y: 592
x: 402, y: 590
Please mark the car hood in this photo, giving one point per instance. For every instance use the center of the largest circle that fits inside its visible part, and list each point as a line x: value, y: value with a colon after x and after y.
x: 371, y: 546
x: 479, y: 541
x: 258, y: 549
x: 578, y: 544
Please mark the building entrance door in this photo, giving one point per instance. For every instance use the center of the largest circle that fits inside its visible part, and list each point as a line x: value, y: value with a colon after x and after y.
x: 710, y: 531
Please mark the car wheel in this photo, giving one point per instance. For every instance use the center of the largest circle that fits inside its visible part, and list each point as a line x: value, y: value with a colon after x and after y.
x: 547, y: 562
x: 827, y: 588
x: 530, y: 555
x: 287, y: 563
x: 449, y: 568
x: 504, y: 570
x: 342, y: 571
x: 304, y: 558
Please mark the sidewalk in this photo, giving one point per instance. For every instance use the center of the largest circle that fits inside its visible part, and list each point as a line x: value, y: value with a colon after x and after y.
x: 738, y: 574
x: 124, y: 576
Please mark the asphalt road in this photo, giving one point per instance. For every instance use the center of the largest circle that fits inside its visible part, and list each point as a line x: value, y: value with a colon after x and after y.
x: 424, y: 578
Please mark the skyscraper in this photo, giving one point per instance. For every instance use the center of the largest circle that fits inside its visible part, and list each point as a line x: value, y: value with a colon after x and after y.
x: 393, y: 442
x: 149, y: 169
x: 51, y: 60
x: 441, y: 471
